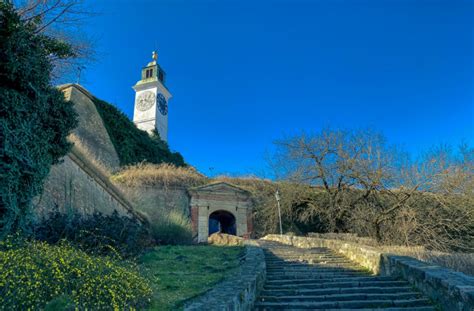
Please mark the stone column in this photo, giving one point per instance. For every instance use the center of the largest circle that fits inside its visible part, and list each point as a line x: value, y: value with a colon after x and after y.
x: 250, y: 232
x: 195, y: 219
x: 203, y: 224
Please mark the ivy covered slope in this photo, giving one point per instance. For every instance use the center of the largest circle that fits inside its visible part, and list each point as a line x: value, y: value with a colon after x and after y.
x: 35, y: 120
x: 134, y: 145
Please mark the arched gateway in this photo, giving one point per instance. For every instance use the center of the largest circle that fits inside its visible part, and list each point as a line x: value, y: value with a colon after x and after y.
x: 220, y: 207
x: 222, y: 222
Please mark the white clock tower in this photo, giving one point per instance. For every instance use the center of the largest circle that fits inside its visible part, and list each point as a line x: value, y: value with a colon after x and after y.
x: 151, y: 100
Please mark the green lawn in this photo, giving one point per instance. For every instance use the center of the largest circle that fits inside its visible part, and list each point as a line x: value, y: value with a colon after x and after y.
x: 177, y: 273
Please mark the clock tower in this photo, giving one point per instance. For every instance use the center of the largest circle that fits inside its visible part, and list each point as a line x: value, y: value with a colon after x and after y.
x: 151, y: 100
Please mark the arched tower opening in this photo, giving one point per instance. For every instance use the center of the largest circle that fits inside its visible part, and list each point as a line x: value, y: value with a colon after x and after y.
x: 222, y: 222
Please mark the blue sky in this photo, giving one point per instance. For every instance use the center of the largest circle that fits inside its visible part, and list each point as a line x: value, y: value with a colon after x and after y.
x: 246, y: 73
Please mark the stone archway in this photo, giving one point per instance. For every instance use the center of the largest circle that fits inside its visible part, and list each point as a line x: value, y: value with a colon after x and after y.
x: 220, y: 203
x: 223, y: 222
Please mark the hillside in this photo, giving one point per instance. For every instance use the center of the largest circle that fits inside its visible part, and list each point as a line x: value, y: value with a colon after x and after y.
x: 134, y: 145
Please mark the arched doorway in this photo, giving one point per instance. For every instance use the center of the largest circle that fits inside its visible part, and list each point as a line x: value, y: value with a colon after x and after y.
x: 223, y: 222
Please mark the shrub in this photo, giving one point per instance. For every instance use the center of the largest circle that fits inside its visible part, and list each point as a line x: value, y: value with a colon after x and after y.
x: 134, y: 145
x: 36, y: 274
x: 97, y: 234
x: 35, y: 119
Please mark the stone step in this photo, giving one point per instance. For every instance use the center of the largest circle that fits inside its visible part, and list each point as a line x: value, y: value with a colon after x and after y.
x: 342, y: 297
x: 335, y: 290
x: 320, y: 279
x: 428, y: 308
x: 356, y: 279
x: 311, y: 265
x: 321, y: 253
x: 315, y: 255
x: 324, y: 275
x: 304, y: 257
x: 297, y: 255
x: 355, y: 304
x: 291, y: 249
x: 313, y: 261
x: 308, y: 261
x: 319, y: 285
x: 330, y: 284
x: 314, y: 269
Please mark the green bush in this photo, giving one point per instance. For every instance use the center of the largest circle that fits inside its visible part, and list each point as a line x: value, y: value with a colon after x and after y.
x: 97, y: 234
x: 36, y: 275
x: 134, y: 145
x: 35, y: 119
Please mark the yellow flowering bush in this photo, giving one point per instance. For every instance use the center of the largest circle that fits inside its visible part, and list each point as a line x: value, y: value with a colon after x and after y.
x: 32, y: 274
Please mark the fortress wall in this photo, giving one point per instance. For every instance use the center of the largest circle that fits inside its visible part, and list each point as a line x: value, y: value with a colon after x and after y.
x: 157, y: 201
x: 81, y: 182
x: 75, y: 184
x: 91, y: 131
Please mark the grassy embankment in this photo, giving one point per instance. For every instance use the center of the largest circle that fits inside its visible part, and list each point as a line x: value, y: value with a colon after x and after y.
x: 178, y: 273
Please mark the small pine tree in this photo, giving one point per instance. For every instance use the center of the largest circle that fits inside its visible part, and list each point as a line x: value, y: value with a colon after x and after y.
x: 34, y: 117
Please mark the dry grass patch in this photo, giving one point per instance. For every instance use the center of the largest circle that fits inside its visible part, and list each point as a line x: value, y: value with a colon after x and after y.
x: 251, y: 183
x: 163, y: 175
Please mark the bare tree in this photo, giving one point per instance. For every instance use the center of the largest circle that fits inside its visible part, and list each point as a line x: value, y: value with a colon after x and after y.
x: 63, y: 20
x: 363, y: 185
x: 336, y: 164
x: 446, y: 205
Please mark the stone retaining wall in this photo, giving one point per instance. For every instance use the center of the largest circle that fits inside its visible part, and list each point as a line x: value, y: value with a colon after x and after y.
x: 77, y: 185
x: 239, y: 291
x: 157, y: 202
x: 80, y: 182
x: 449, y: 289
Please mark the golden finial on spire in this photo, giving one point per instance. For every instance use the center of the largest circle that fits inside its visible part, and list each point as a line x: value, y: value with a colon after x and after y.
x: 154, y: 55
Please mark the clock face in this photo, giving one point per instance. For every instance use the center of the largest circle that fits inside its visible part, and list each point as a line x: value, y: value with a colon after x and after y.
x: 162, y: 104
x: 145, y: 100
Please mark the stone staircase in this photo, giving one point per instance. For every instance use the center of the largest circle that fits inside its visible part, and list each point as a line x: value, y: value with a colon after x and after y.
x: 320, y: 279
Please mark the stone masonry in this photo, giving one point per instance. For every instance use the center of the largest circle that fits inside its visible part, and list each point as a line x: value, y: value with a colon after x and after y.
x: 220, y: 196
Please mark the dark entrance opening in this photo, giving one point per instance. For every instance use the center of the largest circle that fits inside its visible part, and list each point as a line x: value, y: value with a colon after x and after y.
x: 222, y: 222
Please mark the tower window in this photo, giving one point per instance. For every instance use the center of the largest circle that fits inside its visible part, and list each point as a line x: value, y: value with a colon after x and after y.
x: 161, y: 76
x: 149, y: 73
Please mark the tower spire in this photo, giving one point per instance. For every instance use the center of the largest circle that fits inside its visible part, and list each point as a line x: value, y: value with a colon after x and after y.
x: 154, y: 55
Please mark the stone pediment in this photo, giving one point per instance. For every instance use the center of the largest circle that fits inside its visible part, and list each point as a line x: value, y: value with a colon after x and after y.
x: 220, y: 187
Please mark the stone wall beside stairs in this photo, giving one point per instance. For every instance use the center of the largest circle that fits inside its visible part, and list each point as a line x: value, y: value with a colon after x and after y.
x: 448, y: 289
